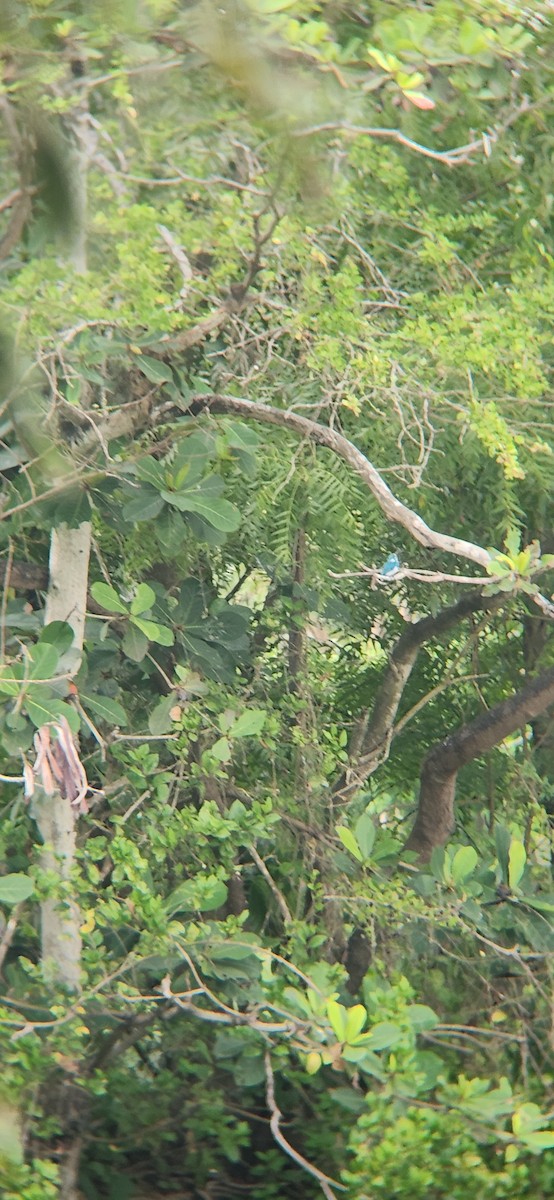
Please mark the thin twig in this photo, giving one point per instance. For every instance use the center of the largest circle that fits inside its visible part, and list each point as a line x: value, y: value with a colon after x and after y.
x: 325, y: 1182
x: 7, y: 936
x: 6, y: 584
x: 287, y: 917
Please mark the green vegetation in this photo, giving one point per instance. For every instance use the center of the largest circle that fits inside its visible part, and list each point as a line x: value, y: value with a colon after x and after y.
x: 276, y: 302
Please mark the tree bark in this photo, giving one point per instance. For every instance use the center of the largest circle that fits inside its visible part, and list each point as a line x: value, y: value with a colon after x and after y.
x: 435, y: 822
x: 377, y: 737
x: 55, y: 815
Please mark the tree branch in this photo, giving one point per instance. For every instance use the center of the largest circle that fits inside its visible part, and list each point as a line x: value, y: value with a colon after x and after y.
x: 325, y: 1182
x: 394, y: 509
x: 377, y: 738
x: 435, y: 822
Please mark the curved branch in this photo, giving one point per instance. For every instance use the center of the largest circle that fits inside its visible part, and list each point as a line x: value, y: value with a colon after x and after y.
x: 435, y: 822
x: 377, y: 737
x: 393, y: 509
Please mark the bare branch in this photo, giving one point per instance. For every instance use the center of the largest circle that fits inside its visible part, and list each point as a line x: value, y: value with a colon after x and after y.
x: 435, y: 822
x: 285, y: 911
x: 377, y: 737
x: 393, y: 509
x: 325, y: 1182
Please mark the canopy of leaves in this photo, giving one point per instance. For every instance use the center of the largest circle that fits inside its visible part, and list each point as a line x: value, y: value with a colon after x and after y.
x: 342, y: 213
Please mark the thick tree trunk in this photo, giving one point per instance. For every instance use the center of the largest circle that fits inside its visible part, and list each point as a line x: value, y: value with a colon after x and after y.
x: 435, y: 822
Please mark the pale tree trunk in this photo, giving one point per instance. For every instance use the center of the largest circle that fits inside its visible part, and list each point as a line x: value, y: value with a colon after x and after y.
x: 55, y: 815
x: 66, y: 601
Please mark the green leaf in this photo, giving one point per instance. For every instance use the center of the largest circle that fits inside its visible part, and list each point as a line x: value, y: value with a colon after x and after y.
x: 11, y: 1137
x: 11, y: 677
x: 42, y: 661
x: 437, y: 863
x: 197, y: 895
x: 159, y: 720
x: 106, y: 595
x: 144, y: 505
x: 356, y: 1018
x: 337, y: 1016
x: 421, y: 1016
x: 503, y: 839
x: 154, y: 632
x: 349, y: 841
x: 58, y: 634
x: 241, y: 436
x: 105, y: 708
x: 15, y: 888
x: 365, y: 833
x: 221, y: 750
x: 43, y: 706
x: 249, y: 724
x: 383, y: 1036
x: 134, y: 643
x: 539, y: 1141
x: 143, y: 599
x: 464, y: 863
x: 516, y: 862
x: 220, y: 513
x: 155, y: 371
x: 512, y: 542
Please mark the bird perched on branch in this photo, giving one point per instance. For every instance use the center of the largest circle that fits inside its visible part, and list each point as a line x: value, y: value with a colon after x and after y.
x: 391, y: 566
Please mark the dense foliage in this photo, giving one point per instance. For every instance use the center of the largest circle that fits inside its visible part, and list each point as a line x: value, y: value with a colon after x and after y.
x: 227, y: 974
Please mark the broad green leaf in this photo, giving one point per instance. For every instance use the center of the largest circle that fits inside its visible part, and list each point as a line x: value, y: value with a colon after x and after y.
x: 249, y: 724
x: 42, y: 661
x: 313, y: 1062
x: 11, y: 1136
x: 15, y: 888
x: 155, y: 371
x: 42, y: 706
x: 159, y: 720
x: 539, y: 1141
x: 349, y: 841
x: 154, y: 632
x: 365, y: 831
x: 383, y: 1036
x: 151, y: 472
x: 503, y: 839
x: 516, y: 862
x: 217, y: 512
x: 356, y: 1018
x: 437, y: 863
x: 337, y: 1015
x: 197, y: 895
x: 241, y: 436
x: 421, y: 1016
x: 221, y: 750
x: 11, y: 677
x: 134, y: 643
x: 512, y: 542
x: 527, y: 1118
x: 58, y: 634
x: 104, y: 707
x: 107, y: 596
x: 464, y: 863
x: 144, y: 505
x: 143, y: 599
